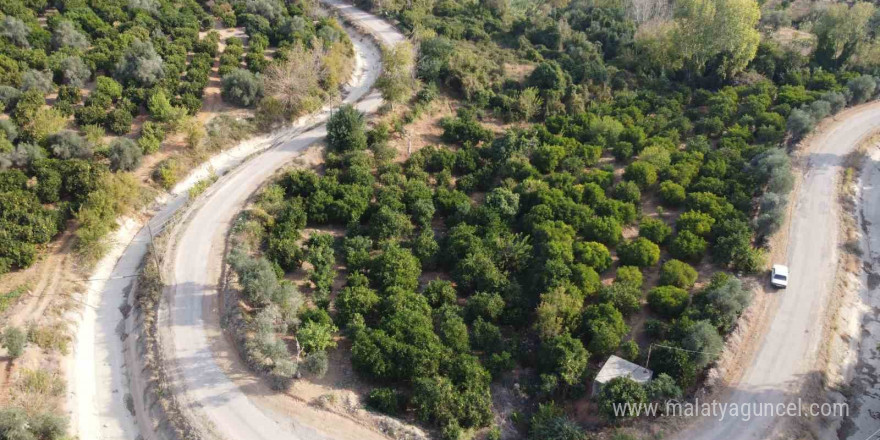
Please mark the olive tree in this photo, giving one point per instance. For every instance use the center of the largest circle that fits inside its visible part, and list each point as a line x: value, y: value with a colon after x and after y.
x: 15, y: 30
x: 67, y: 35
x: 140, y: 65
x: 241, y: 87
x: 124, y: 154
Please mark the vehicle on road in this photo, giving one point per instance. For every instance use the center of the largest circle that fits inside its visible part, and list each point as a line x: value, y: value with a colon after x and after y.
x: 779, y: 276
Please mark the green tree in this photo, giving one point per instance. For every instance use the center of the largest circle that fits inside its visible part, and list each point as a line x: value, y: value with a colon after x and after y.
x: 619, y: 391
x: 397, y: 81
x: 705, y: 29
x: 565, y: 357
x: 346, y: 130
x: 677, y: 273
x: 669, y: 301
x: 640, y: 252
x: 316, y: 337
x: 840, y: 30
x: 241, y: 87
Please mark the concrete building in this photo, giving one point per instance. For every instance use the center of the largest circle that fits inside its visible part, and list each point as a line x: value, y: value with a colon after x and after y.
x: 619, y: 367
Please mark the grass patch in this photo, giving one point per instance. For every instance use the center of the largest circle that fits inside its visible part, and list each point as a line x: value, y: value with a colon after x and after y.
x: 7, y: 299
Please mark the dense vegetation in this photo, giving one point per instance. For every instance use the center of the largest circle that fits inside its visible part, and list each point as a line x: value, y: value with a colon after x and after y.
x: 74, y: 72
x: 486, y: 255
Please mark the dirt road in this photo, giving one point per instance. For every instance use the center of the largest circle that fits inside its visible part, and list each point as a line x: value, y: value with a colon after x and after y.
x: 788, y: 353
x: 190, y: 323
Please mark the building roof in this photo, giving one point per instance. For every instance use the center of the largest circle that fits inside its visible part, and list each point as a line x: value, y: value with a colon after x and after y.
x: 619, y: 367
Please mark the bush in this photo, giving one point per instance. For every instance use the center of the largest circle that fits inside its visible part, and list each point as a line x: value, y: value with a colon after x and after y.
x: 677, y: 273
x: 722, y: 301
x: 639, y: 252
x: 800, y: 123
x: 654, y: 229
x: 14, y: 341
x: 124, y: 155
x: 385, y: 400
x: 620, y: 391
x: 141, y: 65
x: 118, y: 121
x: 862, y: 88
x: 688, y: 246
x: 672, y: 193
x: 68, y: 145
x: 703, y: 339
x: 241, y: 87
x: 642, y: 173
x: 593, y: 254
x: 668, y: 301
x: 550, y: 423
x: 316, y: 363
x: 37, y: 80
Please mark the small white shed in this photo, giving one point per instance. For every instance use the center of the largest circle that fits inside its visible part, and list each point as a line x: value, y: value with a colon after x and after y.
x: 620, y: 367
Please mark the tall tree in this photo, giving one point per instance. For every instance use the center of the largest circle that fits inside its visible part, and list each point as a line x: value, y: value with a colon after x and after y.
x: 840, y: 31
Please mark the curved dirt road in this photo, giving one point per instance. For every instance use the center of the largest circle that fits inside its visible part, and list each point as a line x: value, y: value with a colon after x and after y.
x: 190, y: 322
x: 788, y: 351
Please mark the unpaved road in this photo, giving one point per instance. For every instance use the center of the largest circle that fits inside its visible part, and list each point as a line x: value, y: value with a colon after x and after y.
x: 96, y: 371
x: 788, y: 353
x: 190, y: 322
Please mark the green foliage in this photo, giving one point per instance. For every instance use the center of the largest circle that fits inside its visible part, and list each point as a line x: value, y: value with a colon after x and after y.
x: 241, y: 87
x: 677, y: 273
x: 14, y: 341
x: 124, y: 155
x: 550, y: 423
x: 640, y: 252
x: 654, y: 229
x: 316, y: 337
x: 619, y: 391
x: 564, y: 357
x: 669, y: 301
x: 346, y: 130
x: 385, y: 400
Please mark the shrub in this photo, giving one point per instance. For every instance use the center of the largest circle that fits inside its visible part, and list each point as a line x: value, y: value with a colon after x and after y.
x: 37, y: 80
x: 118, y: 121
x: 316, y: 363
x: 550, y: 423
x: 642, y: 173
x: 385, y: 400
x: 629, y: 275
x: 672, y: 193
x: 241, y: 87
x: 677, y: 273
x: 668, y: 301
x: 723, y: 300
x: 68, y: 144
x: 67, y: 35
x: 862, y: 88
x: 14, y: 341
x: 74, y: 71
x: 124, y: 155
x: 141, y: 65
x: 620, y: 391
x: 703, y: 339
x: 593, y: 254
x: 800, y: 123
x: 639, y: 252
x: 688, y: 246
x: 654, y: 229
